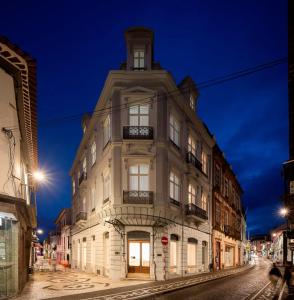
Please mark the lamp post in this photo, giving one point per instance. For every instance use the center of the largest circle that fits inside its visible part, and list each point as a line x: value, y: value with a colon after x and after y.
x: 284, y: 213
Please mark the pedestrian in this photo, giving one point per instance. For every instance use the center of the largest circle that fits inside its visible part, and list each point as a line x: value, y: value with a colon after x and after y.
x: 53, y: 259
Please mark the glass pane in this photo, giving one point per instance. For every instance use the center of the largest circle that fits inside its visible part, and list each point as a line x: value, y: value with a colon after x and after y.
x: 177, y: 192
x: 134, y: 169
x: 145, y: 254
x: 144, y: 169
x: 134, y: 183
x: 171, y: 190
x: 134, y: 254
x: 144, y: 120
x: 133, y: 110
x: 173, y: 254
x: 191, y: 254
x: 136, y: 63
x: 144, y: 109
x: 134, y: 120
x: 141, y: 62
x: 144, y: 183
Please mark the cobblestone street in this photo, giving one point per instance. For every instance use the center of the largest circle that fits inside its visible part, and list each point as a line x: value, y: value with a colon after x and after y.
x: 241, y: 286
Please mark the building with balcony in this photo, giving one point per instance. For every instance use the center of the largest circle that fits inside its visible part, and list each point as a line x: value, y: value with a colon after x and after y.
x: 63, y: 243
x: 227, y: 219
x: 18, y: 159
x: 142, y: 172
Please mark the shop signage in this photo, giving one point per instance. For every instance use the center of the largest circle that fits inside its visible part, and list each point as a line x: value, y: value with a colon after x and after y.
x: 164, y: 240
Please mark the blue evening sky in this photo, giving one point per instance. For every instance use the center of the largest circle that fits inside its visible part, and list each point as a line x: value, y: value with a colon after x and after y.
x: 76, y: 43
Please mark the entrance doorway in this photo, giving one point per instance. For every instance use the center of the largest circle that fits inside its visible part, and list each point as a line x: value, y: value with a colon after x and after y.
x: 138, y: 252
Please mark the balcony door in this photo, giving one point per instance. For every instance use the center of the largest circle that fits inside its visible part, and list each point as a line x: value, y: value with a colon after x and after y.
x: 139, y: 115
x: 138, y: 252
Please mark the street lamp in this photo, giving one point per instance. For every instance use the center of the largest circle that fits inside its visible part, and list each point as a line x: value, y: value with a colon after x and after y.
x: 40, y: 231
x: 284, y: 212
x: 39, y: 176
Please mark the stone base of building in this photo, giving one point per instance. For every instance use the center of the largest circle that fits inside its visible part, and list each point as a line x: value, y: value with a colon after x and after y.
x: 137, y: 251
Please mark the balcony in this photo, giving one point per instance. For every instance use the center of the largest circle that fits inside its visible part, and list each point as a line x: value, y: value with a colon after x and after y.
x: 229, y: 231
x: 82, y: 177
x: 192, y: 159
x: 138, y: 132
x: 197, y: 212
x: 81, y: 217
x: 138, y: 197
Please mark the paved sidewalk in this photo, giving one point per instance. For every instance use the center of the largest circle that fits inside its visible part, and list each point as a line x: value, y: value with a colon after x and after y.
x: 44, y: 285
x: 152, y: 288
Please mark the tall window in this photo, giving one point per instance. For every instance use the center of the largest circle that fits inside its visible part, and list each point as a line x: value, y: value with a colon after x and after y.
x: 139, y: 115
x: 191, y: 145
x: 217, y: 176
x: 191, y: 255
x: 173, y: 259
x: 106, y: 187
x: 204, y: 163
x: 191, y: 194
x: 139, y: 59
x: 93, y: 153
x: 174, y: 130
x: 93, y: 198
x: 73, y: 187
x: 217, y: 213
x: 203, y: 199
x: 85, y: 165
x: 198, y: 150
x: 226, y: 218
x: 106, y: 130
x: 139, y: 177
x: 192, y: 102
x: 174, y: 186
x: 226, y: 187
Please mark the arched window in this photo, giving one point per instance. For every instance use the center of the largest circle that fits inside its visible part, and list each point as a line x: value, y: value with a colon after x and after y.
x: 173, y: 257
x: 191, y: 255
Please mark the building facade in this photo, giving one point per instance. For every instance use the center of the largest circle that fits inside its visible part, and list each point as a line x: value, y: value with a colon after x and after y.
x: 227, y: 220
x: 63, y: 223
x: 142, y: 173
x: 18, y: 159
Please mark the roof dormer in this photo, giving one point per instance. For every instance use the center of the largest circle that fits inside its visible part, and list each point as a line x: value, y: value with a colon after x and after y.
x: 139, y: 42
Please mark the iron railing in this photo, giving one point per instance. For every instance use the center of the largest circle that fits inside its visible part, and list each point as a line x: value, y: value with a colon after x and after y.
x: 138, y: 197
x: 138, y: 132
x: 192, y: 159
x: 81, y: 216
x: 194, y: 210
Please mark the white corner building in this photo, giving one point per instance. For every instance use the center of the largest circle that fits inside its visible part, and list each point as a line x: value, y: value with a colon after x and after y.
x: 142, y: 172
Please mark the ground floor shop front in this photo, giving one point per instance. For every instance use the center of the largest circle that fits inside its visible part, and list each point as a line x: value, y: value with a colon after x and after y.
x: 139, y: 251
x: 227, y: 252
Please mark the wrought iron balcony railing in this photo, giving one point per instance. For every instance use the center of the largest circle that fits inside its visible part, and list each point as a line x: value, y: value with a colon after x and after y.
x: 81, y: 216
x: 194, y: 210
x: 228, y: 230
x: 138, y: 197
x: 82, y: 177
x: 138, y: 132
x: 192, y: 159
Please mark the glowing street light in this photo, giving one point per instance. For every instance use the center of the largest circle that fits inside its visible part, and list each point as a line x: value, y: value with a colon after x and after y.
x: 38, y: 176
x: 283, y: 212
x: 274, y: 234
x: 40, y: 231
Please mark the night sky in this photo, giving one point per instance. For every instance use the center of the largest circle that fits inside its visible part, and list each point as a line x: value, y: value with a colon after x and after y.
x: 76, y: 43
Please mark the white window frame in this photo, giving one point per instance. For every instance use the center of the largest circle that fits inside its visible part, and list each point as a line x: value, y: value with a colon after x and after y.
x: 204, y: 162
x: 93, y: 153
x: 106, y: 186
x: 139, y: 176
x: 139, y: 114
x: 192, y: 102
x: 73, y: 186
x: 139, y: 59
x: 174, y: 130
x: 106, y: 130
x: 192, y: 194
x: 84, y: 165
x: 192, y: 145
x: 204, y: 197
x: 174, y: 186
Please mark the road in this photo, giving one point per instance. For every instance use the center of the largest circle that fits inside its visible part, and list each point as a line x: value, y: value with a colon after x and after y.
x: 240, y: 286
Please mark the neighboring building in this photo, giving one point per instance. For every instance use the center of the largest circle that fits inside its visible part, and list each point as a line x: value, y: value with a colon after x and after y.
x: 143, y: 172
x: 260, y: 245
x: 18, y: 159
x: 63, y: 223
x: 226, y: 214
x: 288, y: 166
x: 277, y: 237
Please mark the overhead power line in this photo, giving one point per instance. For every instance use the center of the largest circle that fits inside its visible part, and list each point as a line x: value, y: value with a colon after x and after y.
x: 149, y: 100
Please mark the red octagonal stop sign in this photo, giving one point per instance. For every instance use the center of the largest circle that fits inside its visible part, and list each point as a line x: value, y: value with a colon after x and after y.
x: 164, y: 240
